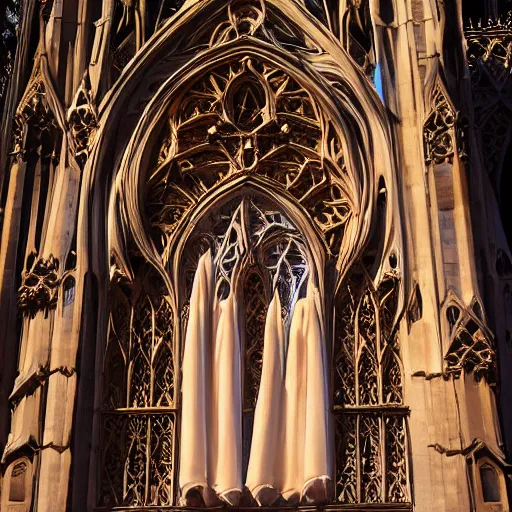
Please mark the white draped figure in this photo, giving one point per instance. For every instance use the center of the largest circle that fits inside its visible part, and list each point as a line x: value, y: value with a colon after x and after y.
x: 289, y: 456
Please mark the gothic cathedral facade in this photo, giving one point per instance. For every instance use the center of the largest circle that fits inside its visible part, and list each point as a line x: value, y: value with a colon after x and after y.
x: 255, y: 254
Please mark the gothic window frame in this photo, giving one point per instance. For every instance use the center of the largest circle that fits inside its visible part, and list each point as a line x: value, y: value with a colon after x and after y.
x: 486, y: 461
x: 377, y: 408
x: 17, y: 504
x: 136, y: 156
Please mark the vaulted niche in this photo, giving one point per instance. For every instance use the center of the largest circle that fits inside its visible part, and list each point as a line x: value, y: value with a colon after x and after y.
x: 252, y: 359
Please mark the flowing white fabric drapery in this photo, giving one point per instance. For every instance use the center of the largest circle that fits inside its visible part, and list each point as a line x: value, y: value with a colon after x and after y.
x: 289, y: 450
x: 211, y: 432
x: 289, y: 454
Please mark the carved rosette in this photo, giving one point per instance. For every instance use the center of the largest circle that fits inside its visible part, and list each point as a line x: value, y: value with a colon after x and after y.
x: 39, y: 288
x: 472, y: 347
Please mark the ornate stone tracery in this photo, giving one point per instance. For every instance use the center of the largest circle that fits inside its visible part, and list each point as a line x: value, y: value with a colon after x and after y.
x: 471, y: 347
x: 438, y: 128
x: 368, y: 394
x: 35, y: 129
x: 39, y: 288
x: 83, y: 121
x: 139, y: 399
x: 248, y: 117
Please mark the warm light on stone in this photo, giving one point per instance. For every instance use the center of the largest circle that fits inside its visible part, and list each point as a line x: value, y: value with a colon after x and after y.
x: 254, y: 254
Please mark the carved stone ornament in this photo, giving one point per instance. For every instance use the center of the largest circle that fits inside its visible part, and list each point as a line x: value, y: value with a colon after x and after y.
x: 489, y: 50
x: 437, y: 131
x: 471, y: 342
x: 247, y: 117
x: 489, y: 57
x: 35, y: 128
x: 368, y: 393
x: 83, y: 120
x: 39, y: 289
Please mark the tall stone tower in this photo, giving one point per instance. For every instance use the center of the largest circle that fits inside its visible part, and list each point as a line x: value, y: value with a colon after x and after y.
x: 254, y: 254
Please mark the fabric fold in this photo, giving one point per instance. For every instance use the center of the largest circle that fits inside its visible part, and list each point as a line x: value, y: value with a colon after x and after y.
x: 317, y: 460
x: 226, y: 453
x: 211, y: 427
x: 291, y: 437
x: 295, y: 398
x: 193, y: 476
x: 265, y: 460
x: 289, y: 456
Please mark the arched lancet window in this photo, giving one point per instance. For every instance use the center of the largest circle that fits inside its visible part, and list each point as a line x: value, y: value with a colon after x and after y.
x: 490, y: 483
x: 247, y: 198
x: 491, y: 490
x: 139, y: 395
x: 17, y: 486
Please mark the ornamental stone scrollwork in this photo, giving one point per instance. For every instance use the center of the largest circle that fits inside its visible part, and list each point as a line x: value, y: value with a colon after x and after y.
x: 39, y: 288
x: 471, y: 347
x: 83, y: 120
x: 437, y: 130
x: 247, y: 117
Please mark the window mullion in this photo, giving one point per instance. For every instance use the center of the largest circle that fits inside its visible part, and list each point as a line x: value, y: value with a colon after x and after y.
x: 147, y: 490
